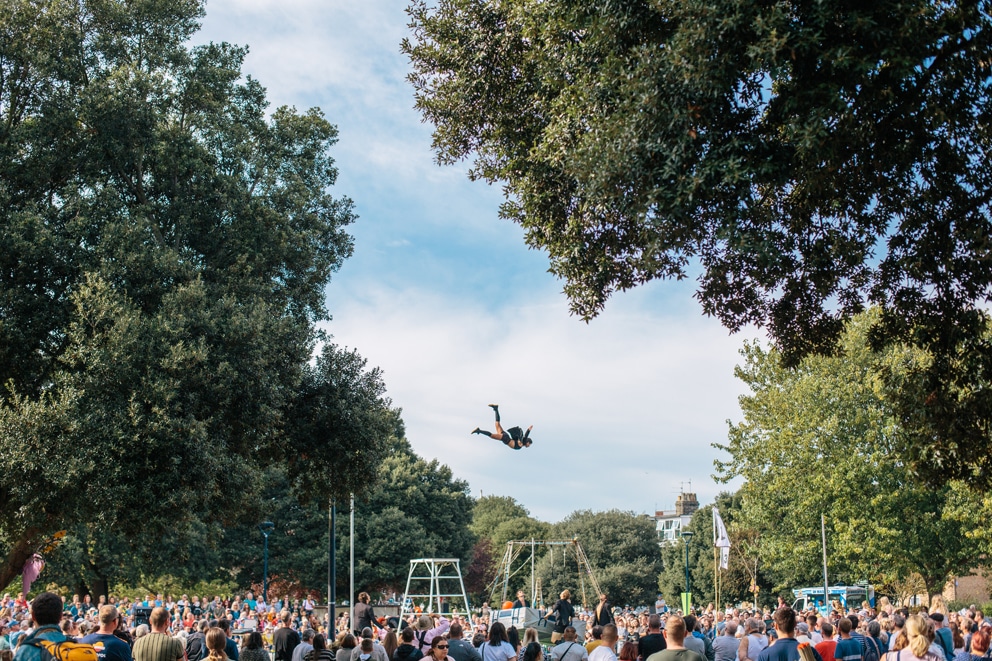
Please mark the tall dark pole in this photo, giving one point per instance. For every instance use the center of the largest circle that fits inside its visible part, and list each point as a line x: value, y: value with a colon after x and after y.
x: 687, y: 536
x: 331, y: 568
x: 265, y: 528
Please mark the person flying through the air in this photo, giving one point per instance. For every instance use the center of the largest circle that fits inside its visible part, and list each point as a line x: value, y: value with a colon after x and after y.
x: 514, y: 437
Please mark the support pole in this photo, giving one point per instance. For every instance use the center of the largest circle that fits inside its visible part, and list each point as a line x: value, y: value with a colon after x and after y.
x: 331, y: 568
x: 826, y: 588
x: 351, y: 595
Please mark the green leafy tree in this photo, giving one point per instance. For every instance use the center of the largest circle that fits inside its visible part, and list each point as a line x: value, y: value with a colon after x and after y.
x: 415, y: 509
x: 165, y: 243
x: 821, y: 438
x: 809, y: 158
x: 497, y: 520
x: 623, y: 552
x: 735, y: 581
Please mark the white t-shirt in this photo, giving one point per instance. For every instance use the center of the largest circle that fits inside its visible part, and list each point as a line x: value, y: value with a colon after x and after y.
x: 602, y: 653
x: 502, y: 652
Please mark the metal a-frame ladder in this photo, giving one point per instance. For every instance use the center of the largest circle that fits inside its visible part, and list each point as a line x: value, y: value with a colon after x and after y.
x: 442, y: 576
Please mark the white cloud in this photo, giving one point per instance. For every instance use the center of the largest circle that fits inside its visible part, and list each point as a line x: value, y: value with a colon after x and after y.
x: 624, y: 409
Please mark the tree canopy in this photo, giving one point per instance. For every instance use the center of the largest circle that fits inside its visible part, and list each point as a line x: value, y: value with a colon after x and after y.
x: 165, y: 242
x: 821, y: 438
x: 806, y: 159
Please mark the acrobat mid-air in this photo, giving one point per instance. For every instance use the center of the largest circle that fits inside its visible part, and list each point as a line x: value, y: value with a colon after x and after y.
x: 514, y: 437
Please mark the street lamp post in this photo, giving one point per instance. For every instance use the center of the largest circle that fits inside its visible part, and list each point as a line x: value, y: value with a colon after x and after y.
x: 687, y: 599
x: 265, y: 528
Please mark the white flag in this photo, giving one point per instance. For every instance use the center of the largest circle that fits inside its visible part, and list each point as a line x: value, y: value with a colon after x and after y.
x: 720, y: 539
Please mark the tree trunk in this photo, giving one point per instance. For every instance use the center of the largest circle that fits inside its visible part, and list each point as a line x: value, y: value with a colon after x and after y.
x: 20, y: 553
x: 99, y: 587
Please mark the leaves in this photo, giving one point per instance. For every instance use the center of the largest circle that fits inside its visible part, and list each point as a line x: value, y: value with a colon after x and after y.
x: 825, y: 438
x: 165, y: 243
x: 808, y: 159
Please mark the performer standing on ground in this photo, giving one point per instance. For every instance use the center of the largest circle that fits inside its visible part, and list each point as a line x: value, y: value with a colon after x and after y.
x: 514, y: 437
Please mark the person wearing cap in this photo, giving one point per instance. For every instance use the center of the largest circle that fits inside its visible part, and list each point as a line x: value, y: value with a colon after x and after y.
x: 46, y: 613
x: 108, y: 646
x: 942, y: 635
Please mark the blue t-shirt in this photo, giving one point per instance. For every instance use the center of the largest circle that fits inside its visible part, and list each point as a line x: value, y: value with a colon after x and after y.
x: 109, y: 647
x: 785, y: 649
x: 848, y: 649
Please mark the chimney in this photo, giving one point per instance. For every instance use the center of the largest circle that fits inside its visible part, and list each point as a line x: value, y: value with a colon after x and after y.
x: 686, y: 504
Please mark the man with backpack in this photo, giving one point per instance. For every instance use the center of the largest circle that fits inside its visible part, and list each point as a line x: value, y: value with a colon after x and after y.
x: 46, y: 613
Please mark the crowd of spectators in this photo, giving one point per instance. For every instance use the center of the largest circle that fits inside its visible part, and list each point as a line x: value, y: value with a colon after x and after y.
x: 159, y: 628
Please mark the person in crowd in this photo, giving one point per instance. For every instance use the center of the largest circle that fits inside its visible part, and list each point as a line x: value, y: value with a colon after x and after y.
x: 196, y: 642
x: 653, y: 640
x: 364, y: 613
x: 918, y: 635
x: 439, y: 650
x: 216, y: 644
x: 530, y: 636
x: 874, y: 638
x: 230, y: 647
x: 898, y: 623
x: 786, y: 647
x: 848, y: 648
x: 691, y: 642
x: 390, y: 643
x: 458, y: 649
x: 596, y: 638
x: 253, y: 648
x: 826, y: 647
x: 407, y: 650
x: 108, y: 646
x: 942, y: 634
x: 979, y: 646
x: 693, y: 627
x: 347, y: 646
x: 285, y: 639
x: 306, y: 644
x: 628, y: 651
x: 318, y: 649
x: 605, y: 652
x: 725, y: 645
x: 425, y: 631
x: 533, y: 652
x: 513, y: 637
x: 158, y: 645
x: 752, y: 642
x: 498, y: 647
x: 569, y: 649
x: 675, y: 628
x: 514, y: 437
x: 376, y: 652
x: 603, y: 612
x: 46, y: 613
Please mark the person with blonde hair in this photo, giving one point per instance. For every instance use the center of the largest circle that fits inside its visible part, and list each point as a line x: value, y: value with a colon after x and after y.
x: 216, y: 644
x: 919, y: 635
x: 530, y: 636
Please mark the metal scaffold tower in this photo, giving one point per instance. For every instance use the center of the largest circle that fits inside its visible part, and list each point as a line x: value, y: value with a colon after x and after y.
x: 439, y: 581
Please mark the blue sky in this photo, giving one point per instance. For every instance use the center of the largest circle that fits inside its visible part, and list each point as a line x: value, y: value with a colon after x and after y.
x: 447, y: 299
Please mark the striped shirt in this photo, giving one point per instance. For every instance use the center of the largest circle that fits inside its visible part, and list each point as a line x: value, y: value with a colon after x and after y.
x: 158, y: 647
